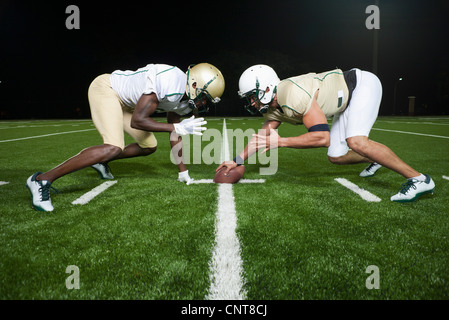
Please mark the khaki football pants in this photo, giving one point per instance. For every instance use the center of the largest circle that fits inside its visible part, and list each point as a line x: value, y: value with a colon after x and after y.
x: 112, y: 118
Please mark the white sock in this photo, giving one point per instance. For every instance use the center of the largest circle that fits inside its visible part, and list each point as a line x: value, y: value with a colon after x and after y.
x: 421, y: 177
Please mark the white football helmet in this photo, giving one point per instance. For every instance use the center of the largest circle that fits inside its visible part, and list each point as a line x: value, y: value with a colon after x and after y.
x: 253, y: 85
x: 204, y: 80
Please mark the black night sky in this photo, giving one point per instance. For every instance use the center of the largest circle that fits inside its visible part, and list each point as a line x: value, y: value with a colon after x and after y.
x: 45, y: 69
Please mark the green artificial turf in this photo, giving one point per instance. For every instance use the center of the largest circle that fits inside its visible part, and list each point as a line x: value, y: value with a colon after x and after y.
x: 302, y: 234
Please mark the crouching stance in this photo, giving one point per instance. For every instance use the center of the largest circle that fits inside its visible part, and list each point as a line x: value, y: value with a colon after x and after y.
x: 124, y: 102
x: 352, y: 98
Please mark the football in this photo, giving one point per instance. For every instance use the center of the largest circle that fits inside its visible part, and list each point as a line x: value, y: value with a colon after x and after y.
x: 233, y: 176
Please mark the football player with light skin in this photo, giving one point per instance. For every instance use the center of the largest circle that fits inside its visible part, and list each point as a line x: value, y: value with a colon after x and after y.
x: 124, y: 101
x: 352, y: 98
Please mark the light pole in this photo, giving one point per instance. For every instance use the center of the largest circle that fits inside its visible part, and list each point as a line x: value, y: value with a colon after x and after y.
x: 395, y: 90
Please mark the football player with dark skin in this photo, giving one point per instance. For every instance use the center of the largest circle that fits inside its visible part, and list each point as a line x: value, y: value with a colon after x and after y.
x: 124, y: 101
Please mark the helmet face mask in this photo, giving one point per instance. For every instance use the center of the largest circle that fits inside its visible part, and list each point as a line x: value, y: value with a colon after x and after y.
x: 253, y: 98
x: 203, y: 101
x: 255, y: 85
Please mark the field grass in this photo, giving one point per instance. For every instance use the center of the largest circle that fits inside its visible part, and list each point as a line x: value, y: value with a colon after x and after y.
x: 303, y: 236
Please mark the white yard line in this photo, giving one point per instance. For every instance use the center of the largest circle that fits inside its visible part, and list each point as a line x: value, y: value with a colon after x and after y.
x: 251, y: 181
x: 67, y: 124
x: 413, y: 133
x: 413, y: 122
x: 85, y: 198
x: 366, y: 195
x: 226, y: 271
x: 46, y: 135
x: 3, y: 183
x: 446, y: 177
x: 226, y: 264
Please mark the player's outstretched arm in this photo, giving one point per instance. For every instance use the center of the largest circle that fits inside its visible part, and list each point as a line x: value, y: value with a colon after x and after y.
x: 141, y: 120
x: 318, y: 136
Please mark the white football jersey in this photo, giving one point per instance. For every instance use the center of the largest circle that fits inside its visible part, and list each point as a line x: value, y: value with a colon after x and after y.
x: 168, y: 83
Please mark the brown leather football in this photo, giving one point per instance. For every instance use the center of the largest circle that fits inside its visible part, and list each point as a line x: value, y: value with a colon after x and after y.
x: 233, y: 176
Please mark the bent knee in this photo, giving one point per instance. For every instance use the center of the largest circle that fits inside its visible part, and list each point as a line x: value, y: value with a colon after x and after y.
x: 358, y: 144
x: 148, y: 151
x: 335, y: 160
x: 104, y: 153
x: 112, y: 150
